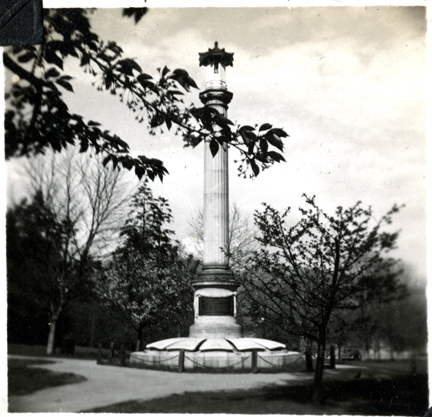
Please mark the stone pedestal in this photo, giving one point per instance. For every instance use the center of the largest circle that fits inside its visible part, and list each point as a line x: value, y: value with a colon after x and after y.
x: 215, y: 310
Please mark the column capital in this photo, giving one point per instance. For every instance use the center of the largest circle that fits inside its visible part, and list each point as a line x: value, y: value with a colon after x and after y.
x: 216, y: 97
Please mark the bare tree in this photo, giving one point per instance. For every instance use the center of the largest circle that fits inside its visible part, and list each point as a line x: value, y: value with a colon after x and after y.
x: 86, y: 201
x: 241, y: 238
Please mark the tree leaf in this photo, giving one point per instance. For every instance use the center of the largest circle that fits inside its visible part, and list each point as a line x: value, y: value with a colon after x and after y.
x: 274, y: 140
x: 65, y: 84
x: 255, y: 167
x: 192, y: 82
x: 264, y: 145
x: 168, y: 122
x: 183, y: 78
x: 128, y: 65
x: 245, y: 128
x: 279, y: 132
x: 56, y: 145
x: 247, y: 134
x: 143, y: 79
x: 251, y: 147
x: 127, y: 163
x: 53, y: 58
x: 52, y: 72
x: 157, y: 120
x: 214, y: 147
x: 85, y: 59
x: 165, y: 71
x: 26, y: 57
x: 115, y: 48
x: 143, y: 76
x: 265, y: 126
x: 84, y: 146
x: 276, y: 156
x: 136, y: 12
x: 221, y: 120
x: 93, y: 46
x: 17, y: 49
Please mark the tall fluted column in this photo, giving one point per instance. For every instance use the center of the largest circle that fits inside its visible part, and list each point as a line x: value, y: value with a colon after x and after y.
x: 215, y: 296
x: 216, y: 192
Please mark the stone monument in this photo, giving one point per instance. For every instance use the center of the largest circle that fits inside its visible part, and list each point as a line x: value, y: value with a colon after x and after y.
x: 215, y: 340
x: 215, y: 296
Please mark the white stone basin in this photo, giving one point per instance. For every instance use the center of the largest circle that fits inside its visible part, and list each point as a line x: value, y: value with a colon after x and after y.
x: 229, y: 354
x: 193, y: 344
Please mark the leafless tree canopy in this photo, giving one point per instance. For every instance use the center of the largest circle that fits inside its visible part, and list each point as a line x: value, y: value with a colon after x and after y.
x: 91, y: 197
x: 87, y: 201
x: 241, y: 235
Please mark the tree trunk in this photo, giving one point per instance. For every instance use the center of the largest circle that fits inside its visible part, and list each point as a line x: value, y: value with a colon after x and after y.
x: 139, y: 336
x: 111, y: 353
x: 319, y: 372
x: 92, y: 331
x: 378, y: 346
x: 122, y: 354
x: 99, y: 355
x: 366, y: 349
x: 332, y: 357
x: 51, y: 335
x: 309, y: 363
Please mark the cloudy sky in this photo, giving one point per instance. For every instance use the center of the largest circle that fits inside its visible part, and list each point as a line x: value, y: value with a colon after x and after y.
x: 346, y: 83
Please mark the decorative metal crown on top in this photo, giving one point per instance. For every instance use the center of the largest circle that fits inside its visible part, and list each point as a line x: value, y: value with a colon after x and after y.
x: 215, y: 57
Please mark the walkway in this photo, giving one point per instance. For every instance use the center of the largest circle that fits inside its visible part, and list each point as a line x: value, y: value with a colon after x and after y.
x: 107, y: 385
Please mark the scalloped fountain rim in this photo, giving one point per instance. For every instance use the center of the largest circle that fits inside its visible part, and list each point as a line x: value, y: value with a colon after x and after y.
x: 194, y: 344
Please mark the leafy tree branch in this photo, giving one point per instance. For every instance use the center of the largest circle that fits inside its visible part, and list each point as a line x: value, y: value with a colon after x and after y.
x: 37, y: 117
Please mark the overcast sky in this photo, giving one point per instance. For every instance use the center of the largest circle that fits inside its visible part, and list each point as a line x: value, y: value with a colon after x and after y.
x: 346, y: 83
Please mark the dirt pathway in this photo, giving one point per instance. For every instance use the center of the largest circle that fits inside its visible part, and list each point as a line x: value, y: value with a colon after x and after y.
x: 107, y: 385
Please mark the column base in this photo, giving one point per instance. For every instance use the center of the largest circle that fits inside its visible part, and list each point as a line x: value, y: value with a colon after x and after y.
x: 215, y: 276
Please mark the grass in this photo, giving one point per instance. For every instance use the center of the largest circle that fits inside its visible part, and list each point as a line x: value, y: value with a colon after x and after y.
x: 81, y: 352
x: 399, y: 395
x: 24, y: 380
x: 40, y: 351
x: 402, y: 395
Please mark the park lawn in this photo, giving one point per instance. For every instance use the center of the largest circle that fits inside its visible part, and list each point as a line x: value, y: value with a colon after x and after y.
x: 40, y: 351
x: 24, y: 379
x: 402, y: 395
